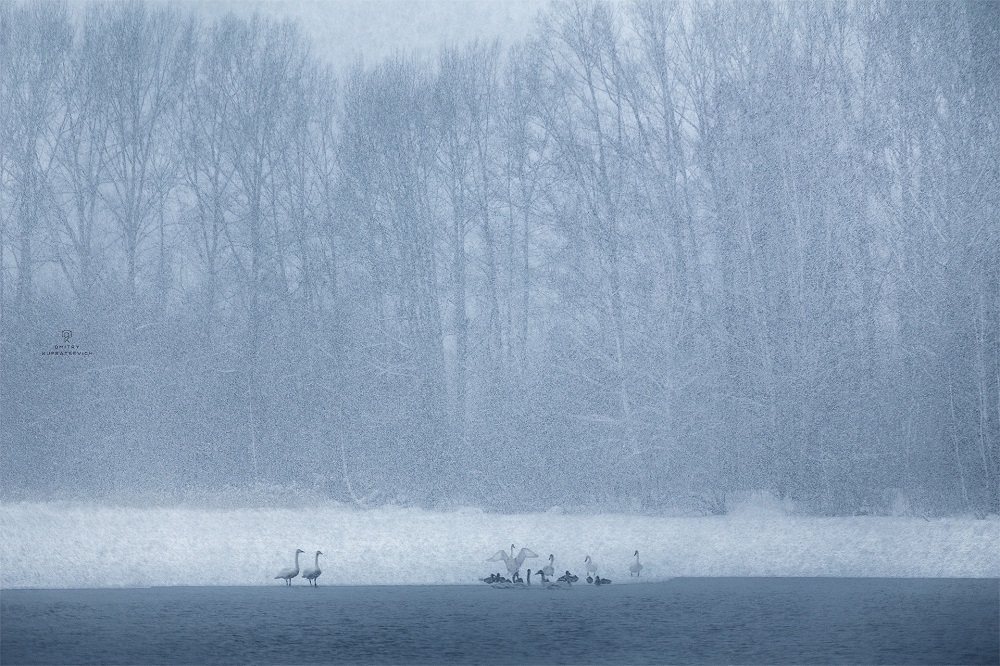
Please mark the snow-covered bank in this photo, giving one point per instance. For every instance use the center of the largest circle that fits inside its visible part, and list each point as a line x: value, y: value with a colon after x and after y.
x: 58, y: 545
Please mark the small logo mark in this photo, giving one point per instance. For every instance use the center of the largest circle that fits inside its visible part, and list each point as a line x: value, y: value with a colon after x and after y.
x: 66, y: 349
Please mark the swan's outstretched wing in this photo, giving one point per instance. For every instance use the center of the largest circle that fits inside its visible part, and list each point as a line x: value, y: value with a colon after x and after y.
x: 501, y: 555
x: 525, y: 552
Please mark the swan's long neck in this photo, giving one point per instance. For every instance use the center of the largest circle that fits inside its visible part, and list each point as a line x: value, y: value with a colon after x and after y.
x: 316, y: 563
x: 297, y: 560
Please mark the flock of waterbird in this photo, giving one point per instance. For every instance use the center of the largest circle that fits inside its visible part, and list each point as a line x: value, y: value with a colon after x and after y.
x: 513, y: 562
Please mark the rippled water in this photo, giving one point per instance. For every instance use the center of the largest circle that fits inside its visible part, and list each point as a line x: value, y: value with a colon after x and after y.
x: 685, y: 620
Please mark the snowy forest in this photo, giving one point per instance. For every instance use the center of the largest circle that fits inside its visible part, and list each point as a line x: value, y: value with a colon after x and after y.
x: 646, y: 256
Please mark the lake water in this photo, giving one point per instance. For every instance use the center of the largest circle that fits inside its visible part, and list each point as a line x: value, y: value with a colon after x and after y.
x: 684, y: 620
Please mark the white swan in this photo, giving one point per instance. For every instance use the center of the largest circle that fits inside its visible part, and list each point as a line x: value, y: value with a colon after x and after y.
x: 513, y: 563
x: 549, y: 569
x: 289, y: 574
x: 636, y: 567
x: 312, y: 573
x: 591, y: 565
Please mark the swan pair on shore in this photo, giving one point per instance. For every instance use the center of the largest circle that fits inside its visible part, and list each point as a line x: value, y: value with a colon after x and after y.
x: 309, y: 573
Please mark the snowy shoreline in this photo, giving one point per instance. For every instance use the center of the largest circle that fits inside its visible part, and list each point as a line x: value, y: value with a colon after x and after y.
x: 46, y: 545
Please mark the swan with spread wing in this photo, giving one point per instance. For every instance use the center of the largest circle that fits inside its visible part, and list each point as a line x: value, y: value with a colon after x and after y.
x: 513, y: 563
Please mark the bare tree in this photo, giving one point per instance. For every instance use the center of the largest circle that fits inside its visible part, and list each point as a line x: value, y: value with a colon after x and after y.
x: 587, y: 120
x: 39, y: 40
x: 85, y: 162
x: 386, y: 159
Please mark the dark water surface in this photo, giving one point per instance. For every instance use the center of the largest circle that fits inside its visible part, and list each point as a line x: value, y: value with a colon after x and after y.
x: 684, y: 620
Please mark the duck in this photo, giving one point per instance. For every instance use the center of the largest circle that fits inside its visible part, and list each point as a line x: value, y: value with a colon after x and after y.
x: 563, y: 582
x: 544, y: 576
x: 492, y: 578
x: 513, y: 563
x: 590, y: 579
x: 636, y: 566
x: 312, y: 573
x: 568, y: 578
x: 602, y: 581
x: 291, y: 572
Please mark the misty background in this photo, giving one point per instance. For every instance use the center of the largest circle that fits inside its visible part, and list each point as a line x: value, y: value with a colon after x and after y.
x: 643, y: 256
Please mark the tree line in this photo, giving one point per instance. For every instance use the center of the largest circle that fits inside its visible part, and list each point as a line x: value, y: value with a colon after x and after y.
x: 647, y: 255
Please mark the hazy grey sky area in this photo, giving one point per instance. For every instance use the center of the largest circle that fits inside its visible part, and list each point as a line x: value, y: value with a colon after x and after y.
x: 343, y: 30
x: 639, y: 256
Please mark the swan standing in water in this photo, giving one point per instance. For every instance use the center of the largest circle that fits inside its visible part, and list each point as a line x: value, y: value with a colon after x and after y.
x: 513, y: 563
x: 636, y: 567
x: 311, y: 574
x: 290, y: 573
x: 549, y: 569
x: 591, y: 566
